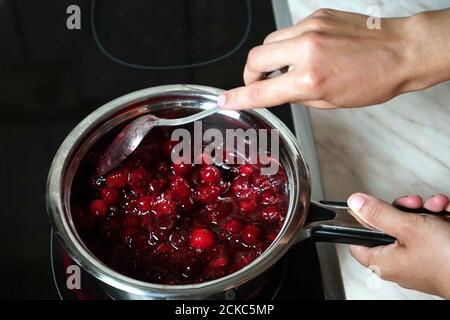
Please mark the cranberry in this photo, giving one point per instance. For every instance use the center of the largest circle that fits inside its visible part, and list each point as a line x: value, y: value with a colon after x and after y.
x: 202, y: 239
x: 250, y: 234
x: 98, y: 208
x: 241, y: 188
x: 219, y: 262
x: 110, y: 195
x: 271, y: 237
x: 246, y: 170
x: 175, y: 223
x: 268, y: 197
x: 248, y: 205
x: 168, y: 146
x: 182, y: 169
x: 117, y: 179
x: 164, y: 205
x: 208, y: 194
x: 138, y: 178
x: 242, y: 259
x: 210, y: 175
x: 144, y: 203
x: 180, y: 187
x: 163, y: 248
x: 270, y: 213
x: 233, y: 226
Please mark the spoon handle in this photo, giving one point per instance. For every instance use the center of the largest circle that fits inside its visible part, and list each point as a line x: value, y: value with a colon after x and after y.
x: 191, y: 118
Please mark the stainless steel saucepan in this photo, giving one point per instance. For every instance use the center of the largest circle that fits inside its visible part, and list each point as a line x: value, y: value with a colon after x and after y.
x: 305, y: 219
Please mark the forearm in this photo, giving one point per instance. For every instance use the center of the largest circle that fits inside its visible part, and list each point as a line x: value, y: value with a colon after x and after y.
x: 429, y: 36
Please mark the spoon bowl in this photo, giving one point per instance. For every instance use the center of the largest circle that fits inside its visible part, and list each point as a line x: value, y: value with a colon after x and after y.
x: 132, y: 135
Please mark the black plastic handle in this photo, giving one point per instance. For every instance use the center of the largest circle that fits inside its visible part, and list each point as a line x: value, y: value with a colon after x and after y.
x: 329, y: 221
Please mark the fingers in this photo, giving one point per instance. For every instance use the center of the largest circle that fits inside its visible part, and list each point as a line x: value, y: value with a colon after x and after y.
x: 269, y: 58
x: 382, y: 216
x: 382, y: 259
x: 437, y: 203
x: 313, y: 22
x: 265, y: 93
x: 411, y: 202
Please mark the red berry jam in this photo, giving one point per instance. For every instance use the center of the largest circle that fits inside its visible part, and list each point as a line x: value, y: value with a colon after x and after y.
x: 175, y: 223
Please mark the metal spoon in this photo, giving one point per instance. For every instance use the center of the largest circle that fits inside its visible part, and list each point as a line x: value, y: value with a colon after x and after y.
x: 132, y: 135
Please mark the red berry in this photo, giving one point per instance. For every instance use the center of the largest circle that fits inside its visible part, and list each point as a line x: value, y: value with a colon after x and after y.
x: 219, y: 262
x: 208, y: 194
x: 182, y: 169
x: 233, y: 226
x: 138, y: 178
x: 180, y: 187
x: 110, y: 195
x: 144, y: 203
x: 117, y: 179
x: 246, y: 170
x: 163, y: 248
x: 98, y: 208
x: 270, y: 213
x: 210, y: 175
x: 164, y: 205
x: 250, y: 234
x: 168, y: 146
x: 202, y: 239
x: 268, y: 197
x: 271, y: 237
x: 241, y: 188
x: 248, y: 205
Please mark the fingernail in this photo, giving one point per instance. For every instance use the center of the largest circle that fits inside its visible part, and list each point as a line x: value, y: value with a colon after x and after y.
x: 222, y: 100
x: 356, y: 201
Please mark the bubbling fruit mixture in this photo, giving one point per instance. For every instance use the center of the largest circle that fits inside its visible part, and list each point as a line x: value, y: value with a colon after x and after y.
x: 168, y: 223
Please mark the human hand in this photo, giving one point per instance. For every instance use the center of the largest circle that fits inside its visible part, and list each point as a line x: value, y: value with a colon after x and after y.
x: 335, y: 60
x: 420, y: 258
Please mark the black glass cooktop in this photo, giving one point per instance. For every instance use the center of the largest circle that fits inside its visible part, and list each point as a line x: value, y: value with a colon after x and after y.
x: 51, y: 77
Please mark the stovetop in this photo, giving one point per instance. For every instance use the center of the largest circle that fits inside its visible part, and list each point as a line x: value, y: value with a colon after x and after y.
x: 51, y: 77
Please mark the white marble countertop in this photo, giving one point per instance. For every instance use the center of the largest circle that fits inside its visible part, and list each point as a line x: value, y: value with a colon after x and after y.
x: 398, y: 148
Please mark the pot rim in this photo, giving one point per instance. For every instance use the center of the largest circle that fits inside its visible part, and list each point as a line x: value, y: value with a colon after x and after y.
x: 298, y: 200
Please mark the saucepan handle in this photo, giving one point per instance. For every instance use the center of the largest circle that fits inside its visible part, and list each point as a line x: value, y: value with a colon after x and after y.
x: 330, y: 221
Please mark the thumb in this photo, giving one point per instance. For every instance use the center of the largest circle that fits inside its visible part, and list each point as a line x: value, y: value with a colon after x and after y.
x: 381, y: 215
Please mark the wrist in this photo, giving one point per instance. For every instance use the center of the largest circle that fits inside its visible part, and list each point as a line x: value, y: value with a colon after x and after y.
x: 426, y: 49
